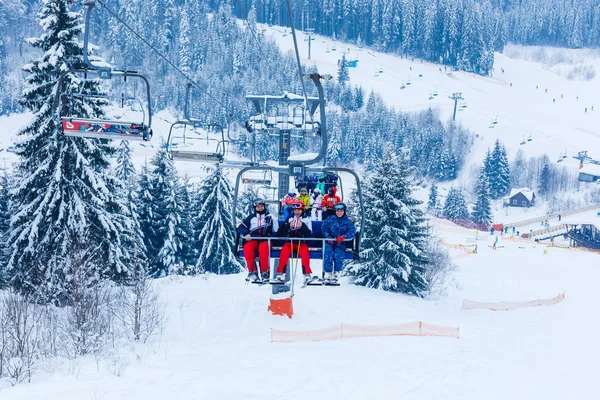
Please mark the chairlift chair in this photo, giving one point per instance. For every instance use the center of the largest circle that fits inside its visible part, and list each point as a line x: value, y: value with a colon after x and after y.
x: 78, y: 126
x: 286, y: 112
x: 316, y: 243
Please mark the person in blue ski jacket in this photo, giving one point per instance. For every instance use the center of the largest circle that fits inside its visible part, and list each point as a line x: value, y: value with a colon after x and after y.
x: 338, y: 227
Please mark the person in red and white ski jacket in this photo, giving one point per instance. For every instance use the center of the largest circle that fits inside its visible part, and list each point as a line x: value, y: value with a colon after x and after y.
x: 297, y: 226
x: 258, y: 225
x: 316, y: 202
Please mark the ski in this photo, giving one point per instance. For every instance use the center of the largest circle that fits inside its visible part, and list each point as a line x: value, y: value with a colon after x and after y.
x: 331, y: 282
x: 277, y: 282
x: 314, y: 281
x: 260, y: 282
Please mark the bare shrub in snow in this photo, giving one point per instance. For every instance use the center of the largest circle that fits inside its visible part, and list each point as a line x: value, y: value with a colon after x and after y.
x: 439, y: 272
x: 139, y: 308
x: 20, y: 337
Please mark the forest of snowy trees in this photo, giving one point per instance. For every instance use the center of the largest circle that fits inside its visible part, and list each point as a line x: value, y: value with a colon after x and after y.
x: 459, y: 33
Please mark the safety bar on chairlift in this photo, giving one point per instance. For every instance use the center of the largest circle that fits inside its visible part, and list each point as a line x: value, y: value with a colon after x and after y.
x: 285, y: 169
x: 193, y: 122
x: 57, y: 94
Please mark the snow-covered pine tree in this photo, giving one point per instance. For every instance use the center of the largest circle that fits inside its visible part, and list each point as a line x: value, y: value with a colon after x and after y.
x: 334, y: 149
x: 187, y: 253
x: 455, y: 207
x: 133, y: 240
x: 394, y: 234
x: 67, y: 197
x: 217, y: 235
x: 146, y: 214
x: 343, y: 73
x: 500, y: 170
x: 482, y: 213
x: 433, y: 204
x: 165, y: 215
x: 544, y: 183
x: 4, y: 222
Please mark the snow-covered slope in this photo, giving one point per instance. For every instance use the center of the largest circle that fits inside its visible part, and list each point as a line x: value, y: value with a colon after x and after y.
x: 216, y: 344
x: 526, y: 98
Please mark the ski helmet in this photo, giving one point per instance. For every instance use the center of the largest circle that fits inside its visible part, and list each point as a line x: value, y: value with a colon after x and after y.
x: 292, y: 194
x: 331, y: 192
x: 258, y: 202
x: 317, y: 191
x: 298, y: 204
x: 340, y: 206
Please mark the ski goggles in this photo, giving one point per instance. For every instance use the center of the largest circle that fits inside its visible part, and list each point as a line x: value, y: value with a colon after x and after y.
x: 258, y: 203
x: 296, y: 205
x: 338, y: 207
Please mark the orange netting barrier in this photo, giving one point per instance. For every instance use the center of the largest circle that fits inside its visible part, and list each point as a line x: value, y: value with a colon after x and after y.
x: 467, y: 252
x: 511, y: 305
x: 346, y: 331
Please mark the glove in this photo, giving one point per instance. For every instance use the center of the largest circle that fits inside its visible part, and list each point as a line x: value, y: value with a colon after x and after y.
x: 340, y: 239
x: 332, y: 244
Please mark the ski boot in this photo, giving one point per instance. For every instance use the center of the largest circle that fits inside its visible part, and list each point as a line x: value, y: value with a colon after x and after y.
x: 279, y: 280
x: 265, y: 276
x: 252, y: 276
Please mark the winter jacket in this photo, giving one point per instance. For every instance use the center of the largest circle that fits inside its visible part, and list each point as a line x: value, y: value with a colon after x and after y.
x: 335, y: 226
x: 316, y: 201
x: 306, y: 200
x: 259, y: 225
x: 290, y: 228
x: 287, y: 201
x: 330, y: 201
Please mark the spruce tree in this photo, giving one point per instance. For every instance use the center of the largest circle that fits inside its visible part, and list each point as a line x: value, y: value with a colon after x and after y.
x: 145, y: 212
x: 165, y: 216
x: 544, y: 185
x: 482, y: 213
x: 455, y: 207
x: 245, y: 202
x: 187, y: 254
x: 394, y: 234
x: 499, y: 172
x: 343, y: 73
x: 133, y: 241
x: 433, y: 204
x: 67, y: 200
x: 4, y: 223
x: 217, y: 235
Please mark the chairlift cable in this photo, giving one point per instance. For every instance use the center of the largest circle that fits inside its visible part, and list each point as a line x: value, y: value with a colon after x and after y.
x: 291, y: 16
x: 116, y: 16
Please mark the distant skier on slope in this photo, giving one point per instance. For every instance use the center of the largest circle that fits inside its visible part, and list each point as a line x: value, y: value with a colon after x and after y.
x: 340, y: 227
x: 259, y: 224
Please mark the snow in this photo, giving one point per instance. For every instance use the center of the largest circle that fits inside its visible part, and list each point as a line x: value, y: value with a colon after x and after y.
x: 216, y: 344
x: 528, y: 193
x: 217, y: 339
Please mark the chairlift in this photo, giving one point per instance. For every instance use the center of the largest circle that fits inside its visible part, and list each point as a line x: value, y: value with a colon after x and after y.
x: 523, y: 141
x: 380, y: 69
x: 184, y: 147
x: 402, y: 86
x: 71, y: 124
x: 529, y: 138
x: 408, y: 82
x: 435, y: 93
x: 287, y: 112
x: 317, y: 242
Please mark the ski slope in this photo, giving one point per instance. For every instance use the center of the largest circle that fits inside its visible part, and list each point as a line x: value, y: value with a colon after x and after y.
x: 553, y: 114
x: 216, y: 344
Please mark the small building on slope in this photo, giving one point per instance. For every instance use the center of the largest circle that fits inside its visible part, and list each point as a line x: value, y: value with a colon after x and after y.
x: 520, y: 198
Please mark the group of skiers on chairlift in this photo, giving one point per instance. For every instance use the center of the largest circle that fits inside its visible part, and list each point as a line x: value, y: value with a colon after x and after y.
x: 316, y: 205
x: 261, y: 224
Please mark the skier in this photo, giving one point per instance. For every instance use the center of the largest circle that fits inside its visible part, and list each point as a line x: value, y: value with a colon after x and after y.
x: 340, y: 227
x: 260, y: 224
x: 286, y: 204
x: 297, y: 226
x: 330, y: 200
x: 559, y: 217
x: 316, y: 202
x: 304, y: 197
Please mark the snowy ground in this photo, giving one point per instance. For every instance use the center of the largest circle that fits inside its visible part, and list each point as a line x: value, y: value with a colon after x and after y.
x: 216, y: 344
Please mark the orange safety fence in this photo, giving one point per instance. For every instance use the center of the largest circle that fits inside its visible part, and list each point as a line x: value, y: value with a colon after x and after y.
x: 464, y: 248
x: 511, y: 305
x: 347, y: 331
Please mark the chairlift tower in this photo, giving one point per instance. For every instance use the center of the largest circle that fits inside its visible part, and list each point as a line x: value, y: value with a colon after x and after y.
x: 456, y: 97
x: 310, y: 32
